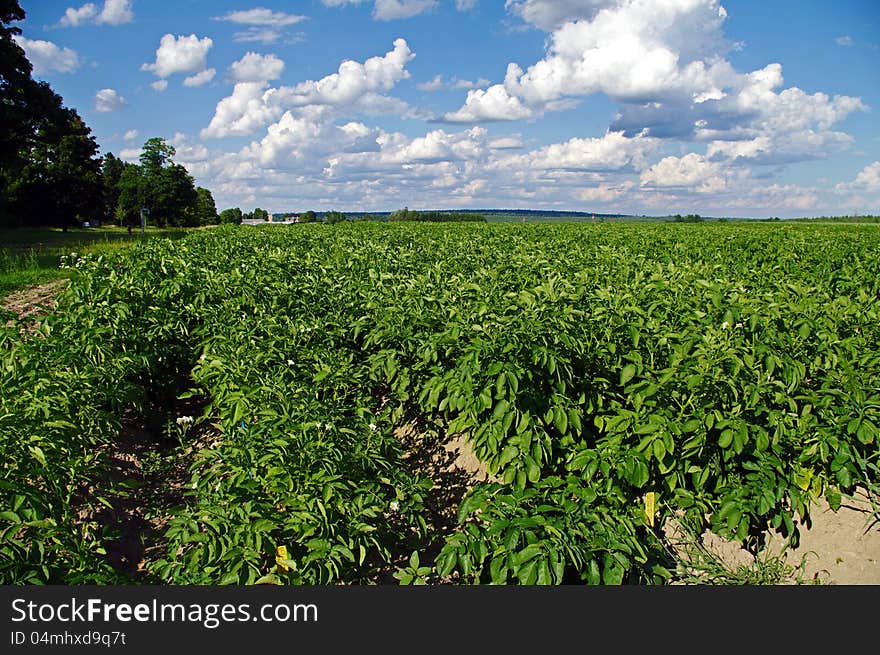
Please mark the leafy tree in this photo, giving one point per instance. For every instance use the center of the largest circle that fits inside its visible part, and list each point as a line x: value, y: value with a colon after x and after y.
x: 232, y: 215
x: 59, y: 182
x: 111, y: 172
x: 156, y: 155
x: 206, y: 209
x: 50, y: 171
x: 15, y: 84
x: 165, y: 188
x: 130, y: 198
x: 256, y: 215
x: 450, y: 217
x: 175, y: 199
x: 333, y: 217
x: 308, y: 217
x: 405, y: 214
x: 156, y: 186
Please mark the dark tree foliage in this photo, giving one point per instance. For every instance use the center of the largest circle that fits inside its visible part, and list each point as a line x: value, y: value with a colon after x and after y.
x: 257, y: 215
x: 450, y: 217
x: 15, y: 83
x: 155, y: 156
x: 407, y: 214
x: 111, y: 172
x: 206, y: 208
x: 333, y: 217
x: 50, y: 171
x: 129, y: 199
x: 56, y: 179
x: 164, y: 188
x: 175, y: 201
x: 232, y: 215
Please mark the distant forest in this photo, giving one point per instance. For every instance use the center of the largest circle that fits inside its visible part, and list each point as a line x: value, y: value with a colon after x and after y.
x: 541, y: 215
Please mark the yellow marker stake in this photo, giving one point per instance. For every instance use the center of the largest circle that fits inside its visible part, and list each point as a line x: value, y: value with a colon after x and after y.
x: 650, y: 507
x: 280, y: 556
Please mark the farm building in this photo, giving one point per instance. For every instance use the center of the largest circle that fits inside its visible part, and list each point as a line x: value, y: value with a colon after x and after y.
x: 276, y: 219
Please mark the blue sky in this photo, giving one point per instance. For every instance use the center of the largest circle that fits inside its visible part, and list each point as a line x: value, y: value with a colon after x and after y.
x: 725, y: 108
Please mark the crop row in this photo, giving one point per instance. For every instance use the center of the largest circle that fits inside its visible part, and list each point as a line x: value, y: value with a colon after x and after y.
x: 726, y: 375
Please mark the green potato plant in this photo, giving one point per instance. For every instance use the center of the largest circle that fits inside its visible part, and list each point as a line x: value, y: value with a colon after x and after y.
x: 728, y: 371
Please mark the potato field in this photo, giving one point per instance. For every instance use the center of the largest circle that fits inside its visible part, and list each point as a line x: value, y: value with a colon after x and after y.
x: 609, y: 378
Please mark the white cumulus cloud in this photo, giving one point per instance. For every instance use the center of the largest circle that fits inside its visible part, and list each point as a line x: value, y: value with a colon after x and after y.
x: 75, y: 17
x: 692, y: 171
x: 256, y: 34
x: 131, y: 155
x: 311, y: 143
x: 114, y: 12
x: 386, y: 10
x: 492, y: 104
x: 46, y: 57
x: 180, y: 54
x: 200, y: 79
x: 254, y: 67
x: 397, y: 9
x: 611, y: 152
x: 254, y: 104
x: 435, y: 84
x: 250, y: 107
x: 632, y: 51
x: 867, y: 180
x: 603, y: 193
x: 262, y: 25
x: 354, y: 79
x: 261, y: 16
x: 467, y: 84
x: 664, y: 62
x: 107, y: 100
x: 550, y: 14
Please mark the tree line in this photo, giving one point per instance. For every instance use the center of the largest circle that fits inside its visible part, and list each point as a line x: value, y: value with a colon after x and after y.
x: 158, y: 184
x: 407, y: 214
x: 51, y: 172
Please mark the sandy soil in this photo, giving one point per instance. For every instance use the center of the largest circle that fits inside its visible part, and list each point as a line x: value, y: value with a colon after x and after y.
x: 843, y: 547
x: 28, y: 304
x: 836, y: 548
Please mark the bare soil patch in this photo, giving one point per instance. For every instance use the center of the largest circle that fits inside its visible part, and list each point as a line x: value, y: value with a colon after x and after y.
x: 453, y: 468
x: 835, y: 548
x: 449, y: 461
x: 28, y: 304
x: 842, y: 547
x: 145, y: 484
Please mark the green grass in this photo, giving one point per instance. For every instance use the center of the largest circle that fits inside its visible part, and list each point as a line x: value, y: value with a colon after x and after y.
x: 702, y: 565
x: 32, y: 256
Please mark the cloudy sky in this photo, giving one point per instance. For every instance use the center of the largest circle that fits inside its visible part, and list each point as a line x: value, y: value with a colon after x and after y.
x: 726, y: 108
